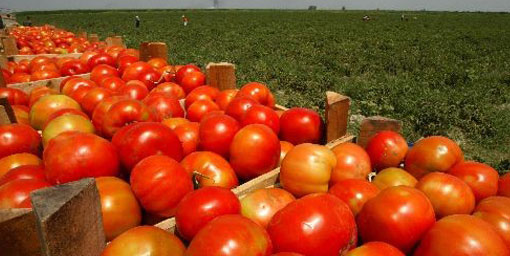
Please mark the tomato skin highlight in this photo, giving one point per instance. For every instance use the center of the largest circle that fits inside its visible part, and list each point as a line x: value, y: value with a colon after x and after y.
x: 386, y: 149
x: 352, y: 162
x: 495, y: 210
x: 354, y: 192
x: 481, y: 178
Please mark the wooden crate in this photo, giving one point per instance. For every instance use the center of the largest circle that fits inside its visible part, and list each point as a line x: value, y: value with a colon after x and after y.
x: 18, y: 58
x: 53, y: 83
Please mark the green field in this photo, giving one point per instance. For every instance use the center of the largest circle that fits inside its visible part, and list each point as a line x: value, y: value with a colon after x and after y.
x: 440, y: 73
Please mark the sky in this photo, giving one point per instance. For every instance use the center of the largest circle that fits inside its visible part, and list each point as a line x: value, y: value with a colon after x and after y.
x: 433, y: 5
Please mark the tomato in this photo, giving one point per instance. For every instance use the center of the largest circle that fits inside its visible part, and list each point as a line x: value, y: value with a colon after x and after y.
x: 239, y: 106
x: 145, y: 240
x: 112, y: 83
x: 173, y: 123
x: 307, y: 169
x: 39, y: 60
x: 101, y: 58
x: 44, y: 75
x: 124, y: 112
x: 399, y: 216
x: 160, y: 183
x: 432, y: 154
x: 150, y: 78
x: 187, y: 69
x: 46, y: 106
x: 495, y: 210
x: 172, y: 89
x: 262, y: 204
x: 119, y: 207
x: 74, y: 67
x: 317, y: 224
x: 258, y: 92
x: 201, y: 206
x: 72, y: 156
x: 255, y: 150
x: 210, y: 169
x: 24, y: 172
x: 125, y: 61
x: 21, y: 114
x: 66, y: 120
x: 199, y: 108
x: 93, y: 97
x: 129, y: 52
x: 101, y: 71
x: 287, y: 254
x: 392, y: 177
x: 352, y: 162
x: 39, y: 92
x: 19, y: 78
x: 157, y: 62
x: 216, y: 134
x: 504, y: 185
x: 354, y: 192
x: 14, y: 96
x: 99, y: 113
x: 164, y: 107
x: 260, y: 114
x: 140, y: 140
x: 16, y: 193
x: 74, y: 84
x: 135, y: 90
x: 188, y: 135
x: 18, y: 138
x: 204, y: 92
x: 225, y: 97
x: 136, y: 70
x: 15, y: 160
x: 375, y: 249
x: 481, y: 178
x: 230, y: 235
x: 461, y: 235
x: 45, y: 67
x: 386, y: 149
x: 447, y: 193
x: 285, y: 148
x: 301, y: 125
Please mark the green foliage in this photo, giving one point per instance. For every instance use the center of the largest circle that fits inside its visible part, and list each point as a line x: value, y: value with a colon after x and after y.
x: 442, y: 73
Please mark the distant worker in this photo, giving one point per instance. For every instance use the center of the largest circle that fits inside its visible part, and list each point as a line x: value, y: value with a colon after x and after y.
x: 2, y: 25
x: 137, y: 21
x: 366, y: 18
x: 27, y: 22
x: 404, y: 18
x: 185, y: 20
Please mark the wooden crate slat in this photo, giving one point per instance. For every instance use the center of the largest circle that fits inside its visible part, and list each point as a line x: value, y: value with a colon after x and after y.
x: 221, y: 75
x: 372, y: 125
x: 19, y: 233
x: 337, y: 115
x: 7, y: 115
x: 149, y: 50
x: 18, y: 58
x: 53, y: 83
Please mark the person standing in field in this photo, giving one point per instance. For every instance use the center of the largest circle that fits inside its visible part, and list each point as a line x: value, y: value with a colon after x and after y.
x: 27, y: 22
x: 185, y: 20
x: 137, y: 21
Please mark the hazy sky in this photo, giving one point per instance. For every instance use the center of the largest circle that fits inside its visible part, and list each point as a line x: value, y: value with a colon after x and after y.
x: 446, y: 5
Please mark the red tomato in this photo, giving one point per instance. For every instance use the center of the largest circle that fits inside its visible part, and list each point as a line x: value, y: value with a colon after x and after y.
x: 204, y: 92
x: 461, y: 235
x: 112, y: 83
x: 80, y: 93
x: 216, y: 134
x: 101, y: 71
x: 301, y: 125
x: 172, y: 89
x: 173, y: 123
x: 140, y: 140
x: 354, y: 192
x: 125, y: 61
x: 231, y: 235
x: 15, y: 160
x: 135, y: 90
x: 136, y: 70
x: 157, y: 62
x: 192, y: 80
x: 44, y: 75
x: 262, y: 204
x: 24, y: 172
x: 447, y: 193
x: 72, y: 156
x: 352, y: 162
x: 160, y: 183
x: 99, y: 113
x: 481, y: 178
x: 386, y: 149
x: 432, y: 154
x: 74, y: 67
x: 187, y: 69
x: 93, y: 97
x: 188, y: 135
x: 211, y: 170
x: 201, y: 206
x: 39, y: 60
x: 225, y: 97
x: 124, y: 112
x: 375, y: 249
x: 199, y: 108
x: 285, y: 148
x: 150, y: 78
x: 21, y: 114
x: 254, y: 151
x: 392, y: 177
x: 258, y: 92
x: 260, y: 114
x: 317, y: 224
x: 239, y: 106
x: 119, y: 207
x: 399, y: 216
x: 16, y: 193
x: 287, y: 254
x: 18, y: 138
x: 74, y: 84
x: 87, y: 55
x: 39, y: 92
x: 14, y: 96
x: 19, y: 78
x: 307, y: 169
x: 164, y: 107
x: 504, y: 185
x: 145, y: 240
x: 66, y: 123
x: 495, y: 210
x: 101, y: 58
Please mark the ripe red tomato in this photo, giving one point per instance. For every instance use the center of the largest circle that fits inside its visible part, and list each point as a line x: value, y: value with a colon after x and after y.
x: 481, y: 178
x: 18, y: 138
x: 386, y: 149
x: 201, y: 206
x: 185, y: 70
x: 136, y: 70
x: 399, y: 216
x: 19, y: 78
x: 39, y: 60
x: 172, y: 89
x: 160, y: 183
x: 307, y: 169
x: 21, y: 114
x: 15, y: 160
x: 150, y: 78
x: 188, y: 135
x: 99, y: 113
x: 392, y: 177
x: 352, y: 162
x: 192, y: 80
x: 119, y: 207
x: 101, y: 58
x: 39, y: 92
x: 157, y: 62
x: 432, y: 154
x: 231, y: 235
x: 254, y: 151
x: 124, y: 112
x: 199, y: 108
x: 216, y: 134
x: 262, y: 204
x: 145, y: 240
x: 112, y: 83
x: 74, y: 67
x: 285, y: 148
x: 44, y: 75
x: 204, y: 92
x: 164, y: 107
x: 14, y: 96
x: 354, y: 192
x: 101, y: 71
x: 239, y: 106
x: 66, y: 123
x: 495, y: 210
x: 461, y: 235
x: 16, y: 193
x: 87, y: 55
x: 287, y: 254
x: 260, y: 114
x: 93, y: 97
x: 317, y: 224
x: 125, y: 61
x: 212, y: 169
x: 173, y: 123
x: 74, y: 84
x: 504, y: 185
x: 301, y: 125
x: 258, y: 92
x: 225, y: 97
x: 135, y: 90
x: 447, y: 193
x: 375, y: 249
x: 140, y: 140
x: 24, y: 172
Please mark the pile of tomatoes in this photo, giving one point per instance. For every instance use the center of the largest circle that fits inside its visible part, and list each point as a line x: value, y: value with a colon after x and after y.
x: 162, y: 143
x: 48, y: 39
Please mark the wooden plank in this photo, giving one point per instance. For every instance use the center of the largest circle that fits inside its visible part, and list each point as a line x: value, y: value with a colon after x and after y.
x: 114, y: 41
x: 3, y: 61
x: 7, y: 115
x: 221, y: 75
x: 9, y: 44
x: 53, y: 83
x: 19, y: 233
x: 372, y: 125
x: 18, y: 58
x: 337, y: 115
x: 149, y: 50
x: 93, y: 38
x: 69, y: 220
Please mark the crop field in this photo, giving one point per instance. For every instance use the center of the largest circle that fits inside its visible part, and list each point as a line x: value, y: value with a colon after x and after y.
x: 440, y: 73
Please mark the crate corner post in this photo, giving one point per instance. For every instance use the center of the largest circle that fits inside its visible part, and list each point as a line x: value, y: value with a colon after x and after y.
x: 7, y: 115
x: 22, y: 239
x: 149, y: 50
x: 221, y: 75
x: 374, y: 124
x: 337, y: 115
